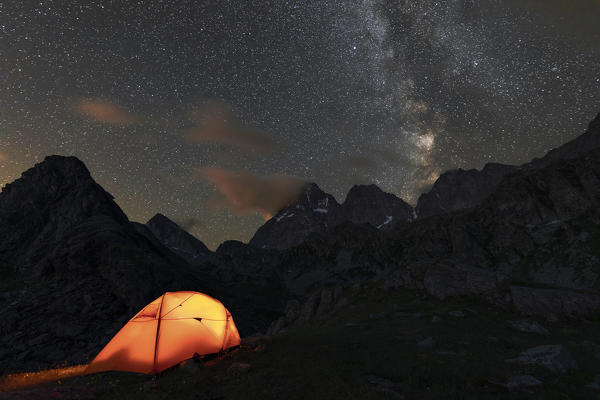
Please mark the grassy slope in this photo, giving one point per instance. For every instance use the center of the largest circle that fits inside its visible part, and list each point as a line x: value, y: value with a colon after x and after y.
x: 329, y: 359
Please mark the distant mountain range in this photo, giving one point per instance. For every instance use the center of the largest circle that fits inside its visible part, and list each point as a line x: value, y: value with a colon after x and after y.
x: 317, y: 211
x: 75, y: 268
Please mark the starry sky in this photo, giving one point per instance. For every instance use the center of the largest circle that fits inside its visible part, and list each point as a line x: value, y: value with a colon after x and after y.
x: 213, y: 112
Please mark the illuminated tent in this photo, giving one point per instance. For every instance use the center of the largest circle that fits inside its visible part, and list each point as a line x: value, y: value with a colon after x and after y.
x: 173, y: 328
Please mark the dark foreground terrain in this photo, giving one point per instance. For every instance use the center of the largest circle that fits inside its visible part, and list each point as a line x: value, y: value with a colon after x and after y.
x: 378, y: 344
x: 365, y: 299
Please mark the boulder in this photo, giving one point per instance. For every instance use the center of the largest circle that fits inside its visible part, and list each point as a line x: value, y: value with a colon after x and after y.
x: 521, y: 381
x: 555, y: 358
x: 554, y: 304
x: 428, y: 342
x: 528, y: 326
x: 238, y: 368
x: 595, y: 385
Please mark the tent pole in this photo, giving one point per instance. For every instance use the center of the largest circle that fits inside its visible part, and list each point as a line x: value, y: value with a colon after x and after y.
x: 154, y: 370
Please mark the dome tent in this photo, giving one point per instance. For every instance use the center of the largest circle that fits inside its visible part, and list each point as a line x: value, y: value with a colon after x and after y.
x: 173, y: 328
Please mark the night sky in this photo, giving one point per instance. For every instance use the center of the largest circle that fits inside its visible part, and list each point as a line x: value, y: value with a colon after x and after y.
x: 211, y: 112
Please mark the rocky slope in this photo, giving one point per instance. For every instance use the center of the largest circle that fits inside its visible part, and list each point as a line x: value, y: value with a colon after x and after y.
x: 314, y: 211
x: 532, y: 246
x: 572, y: 149
x: 317, y: 212
x: 177, y: 239
x: 459, y: 189
x: 74, y: 268
x: 371, y: 205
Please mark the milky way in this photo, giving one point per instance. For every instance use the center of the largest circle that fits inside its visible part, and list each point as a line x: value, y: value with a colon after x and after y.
x: 201, y: 110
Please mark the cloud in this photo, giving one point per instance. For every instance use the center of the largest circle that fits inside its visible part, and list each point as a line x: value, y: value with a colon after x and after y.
x: 104, y: 111
x: 189, y: 223
x: 215, y: 122
x: 244, y: 192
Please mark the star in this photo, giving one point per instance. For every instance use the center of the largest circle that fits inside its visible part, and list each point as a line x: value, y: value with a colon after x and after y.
x: 401, y: 91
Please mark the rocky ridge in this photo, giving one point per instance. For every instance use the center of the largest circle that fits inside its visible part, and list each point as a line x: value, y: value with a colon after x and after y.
x: 177, y: 239
x: 74, y: 268
x: 317, y: 212
x: 459, y: 189
x: 531, y: 246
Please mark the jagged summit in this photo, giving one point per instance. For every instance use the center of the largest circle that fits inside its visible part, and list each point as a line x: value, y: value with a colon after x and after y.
x: 47, y: 203
x: 72, y: 248
x: 460, y: 189
x: 317, y: 211
x: 177, y: 239
x: 160, y: 219
x: 370, y: 204
x: 313, y: 211
x: 53, y: 176
x: 589, y: 140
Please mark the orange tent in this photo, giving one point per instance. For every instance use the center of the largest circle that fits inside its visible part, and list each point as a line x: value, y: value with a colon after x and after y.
x: 173, y: 328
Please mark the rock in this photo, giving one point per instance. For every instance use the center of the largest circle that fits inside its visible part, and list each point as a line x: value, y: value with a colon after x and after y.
x: 428, y: 342
x: 251, y: 340
x: 384, y: 385
x: 525, y: 325
x: 325, y: 302
x: 521, y: 381
x: 554, y: 304
x: 150, y: 385
x: 238, y: 368
x: 379, y: 381
x: 177, y: 239
x: 191, y: 366
x: 595, y: 385
x: 309, y: 308
x: 447, y: 353
x: 457, y: 314
x: 292, y: 311
x: 74, y: 250
x: 338, y: 291
x: 277, y: 326
x: 555, y: 358
x: 312, y: 211
x: 343, y: 302
x: 403, y: 314
x: 582, y: 144
x: 442, y: 281
x: 317, y: 211
x: 261, y: 348
x: 369, y: 204
x: 459, y: 189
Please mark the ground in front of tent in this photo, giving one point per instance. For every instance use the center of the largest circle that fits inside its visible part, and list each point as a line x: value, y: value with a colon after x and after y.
x: 382, y: 345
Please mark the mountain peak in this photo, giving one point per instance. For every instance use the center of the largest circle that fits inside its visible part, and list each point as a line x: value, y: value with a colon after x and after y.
x: 364, y: 188
x: 159, y: 218
x: 57, y: 171
x: 583, y: 143
x: 177, y: 239
x: 61, y: 181
x: 313, y: 211
x: 370, y: 204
